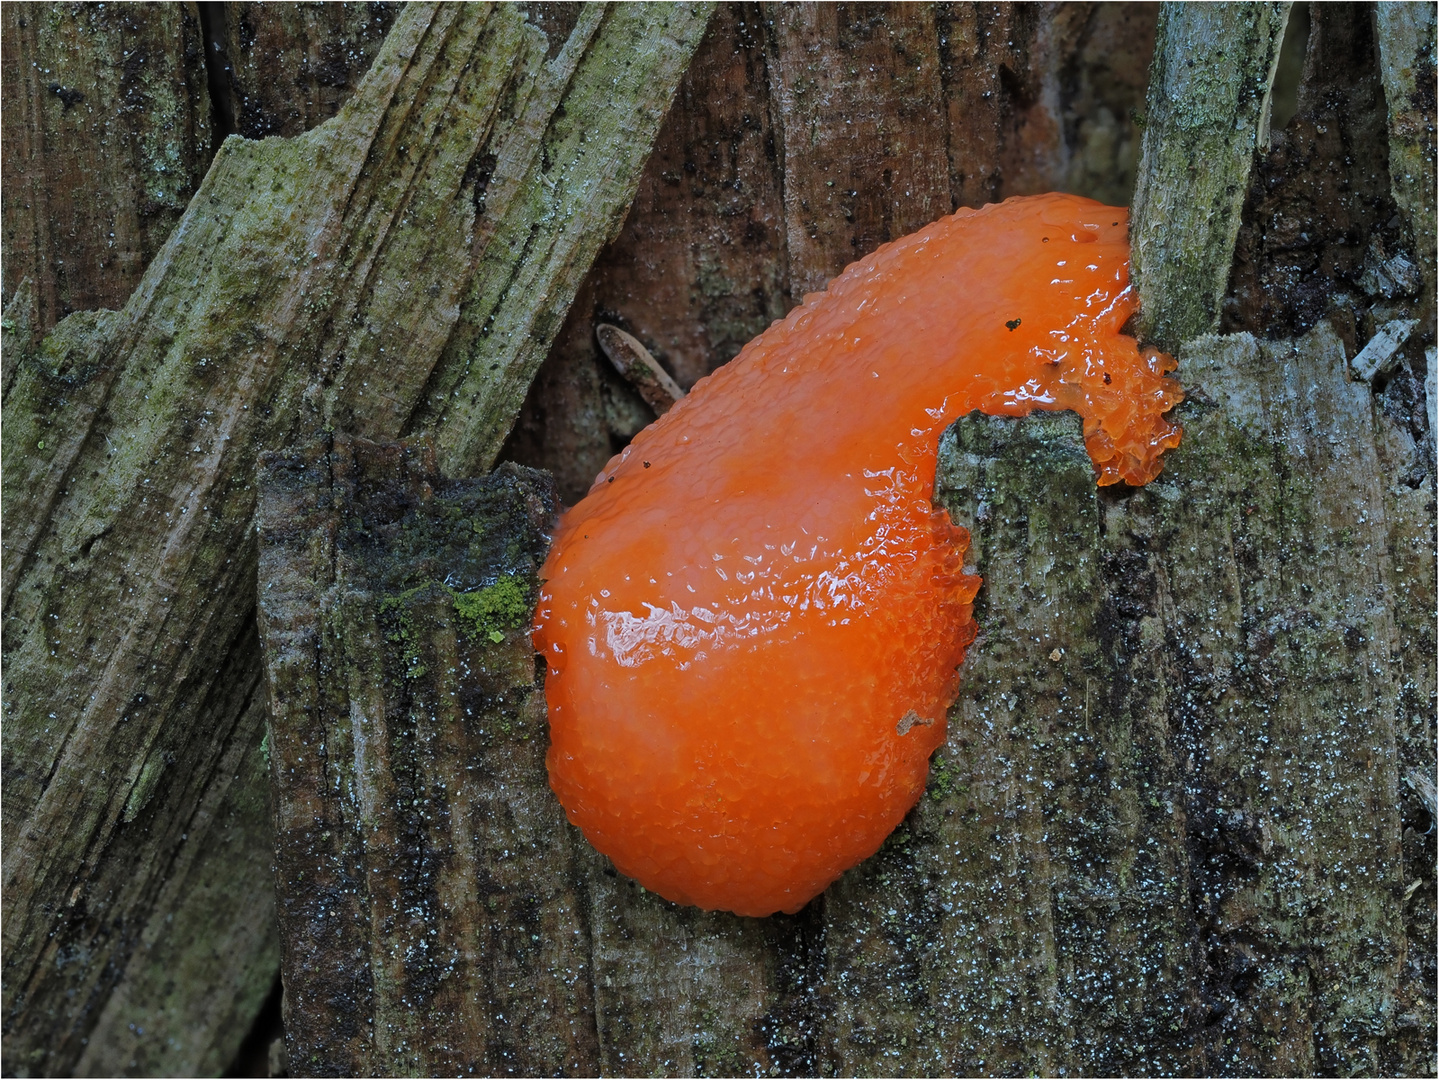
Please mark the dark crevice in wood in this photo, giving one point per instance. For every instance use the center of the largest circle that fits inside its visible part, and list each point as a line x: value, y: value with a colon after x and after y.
x: 1320, y: 234
x: 219, y: 73
x: 254, y: 1055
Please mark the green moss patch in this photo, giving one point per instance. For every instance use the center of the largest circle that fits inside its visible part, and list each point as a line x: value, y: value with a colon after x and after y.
x: 490, y: 611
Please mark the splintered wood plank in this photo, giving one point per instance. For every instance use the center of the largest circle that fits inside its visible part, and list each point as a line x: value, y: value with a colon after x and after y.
x: 128, y: 583
x: 1207, y: 111
x: 698, y: 269
x: 428, y: 906
x: 313, y: 282
x: 1280, y: 610
x: 1168, y: 811
x: 106, y: 121
x: 208, y: 954
x: 609, y: 86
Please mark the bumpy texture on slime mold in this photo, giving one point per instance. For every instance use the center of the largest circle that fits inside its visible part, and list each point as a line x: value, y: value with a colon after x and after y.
x: 753, y: 620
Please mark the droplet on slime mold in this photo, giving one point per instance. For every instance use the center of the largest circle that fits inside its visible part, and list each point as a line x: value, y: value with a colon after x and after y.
x: 753, y: 621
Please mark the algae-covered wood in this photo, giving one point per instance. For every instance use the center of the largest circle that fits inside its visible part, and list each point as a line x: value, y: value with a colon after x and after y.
x: 1251, y: 637
x: 313, y: 281
x: 1208, y: 107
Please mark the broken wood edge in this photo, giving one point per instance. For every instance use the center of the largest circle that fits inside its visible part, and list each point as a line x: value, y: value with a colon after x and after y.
x: 16, y: 331
x: 618, y: 95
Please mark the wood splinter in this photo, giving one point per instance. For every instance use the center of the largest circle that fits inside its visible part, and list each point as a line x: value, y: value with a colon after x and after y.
x: 640, y: 369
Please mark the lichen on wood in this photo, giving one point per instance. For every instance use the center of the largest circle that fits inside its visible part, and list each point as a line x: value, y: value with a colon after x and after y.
x: 1406, y: 33
x: 1207, y: 107
x: 617, y: 74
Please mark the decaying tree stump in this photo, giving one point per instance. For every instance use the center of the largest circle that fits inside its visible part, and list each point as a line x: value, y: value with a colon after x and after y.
x: 402, y: 265
x: 1184, y: 820
x: 1168, y: 832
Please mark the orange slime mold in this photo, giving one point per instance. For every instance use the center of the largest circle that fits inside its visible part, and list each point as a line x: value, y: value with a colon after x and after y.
x: 753, y: 620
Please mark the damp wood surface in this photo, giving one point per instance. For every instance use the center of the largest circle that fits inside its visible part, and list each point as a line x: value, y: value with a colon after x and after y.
x: 313, y: 281
x: 428, y: 903
x: 1017, y: 921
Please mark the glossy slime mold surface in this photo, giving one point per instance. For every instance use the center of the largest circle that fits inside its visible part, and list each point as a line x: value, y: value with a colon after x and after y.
x: 753, y: 620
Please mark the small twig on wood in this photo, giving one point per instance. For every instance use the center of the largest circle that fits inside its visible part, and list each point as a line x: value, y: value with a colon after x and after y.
x: 640, y: 369
x: 1382, y: 352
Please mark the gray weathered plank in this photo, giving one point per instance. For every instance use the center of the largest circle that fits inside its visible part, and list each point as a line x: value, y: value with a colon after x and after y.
x: 1406, y: 33
x: 1207, y: 107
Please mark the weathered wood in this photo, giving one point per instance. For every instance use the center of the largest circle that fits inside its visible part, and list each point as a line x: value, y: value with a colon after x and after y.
x: 138, y: 567
x: 313, y: 281
x: 208, y: 954
x: 106, y: 122
x: 1320, y: 234
x: 879, y: 976
x: 1207, y: 108
x: 18, y: 331
x: 286, y: 68
x: 428, y: 908
x: 617, y: 72
x: 1406, y: 33
x: 1207, y: 774
x: 1042, y: 909
x: 863, y: 154
x: 1165, y: 832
